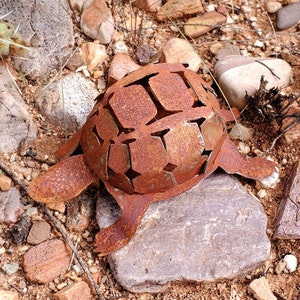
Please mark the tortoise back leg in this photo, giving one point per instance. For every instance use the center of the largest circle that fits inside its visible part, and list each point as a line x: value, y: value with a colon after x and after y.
x: 231, y: 161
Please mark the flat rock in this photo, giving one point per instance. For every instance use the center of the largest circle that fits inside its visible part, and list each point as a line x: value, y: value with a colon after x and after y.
x: 215, y: 230
x: 46, y: 261
x: 68, y: 101
x: 46, y: 26
x: 39, y: 232
x: 175, y: 9
x: 261, y: 290
x: 288, y: 16
x: 11, y: 207
x: 8, y: 295
x: 97, y: 21
x: 237, y: 74
x: 76, y: 291
x: 179, y: 50
x: 16, y: 124
x: 287, y: 221
x: 199, y: 25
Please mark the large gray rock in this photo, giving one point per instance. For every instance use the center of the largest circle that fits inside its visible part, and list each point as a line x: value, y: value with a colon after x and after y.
x: 215, y: 230
x: 16, y: 125
x: 68, y: 101
x: 47, y: 27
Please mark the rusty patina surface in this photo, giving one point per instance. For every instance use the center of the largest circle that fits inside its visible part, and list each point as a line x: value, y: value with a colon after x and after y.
x: 153, y: 135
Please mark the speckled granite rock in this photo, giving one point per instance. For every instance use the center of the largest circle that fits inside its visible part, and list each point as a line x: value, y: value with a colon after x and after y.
x: 215, y: 230
x: 70, y: 110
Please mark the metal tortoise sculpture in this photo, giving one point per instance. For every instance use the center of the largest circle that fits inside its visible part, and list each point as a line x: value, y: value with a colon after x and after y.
x: 153, y: 135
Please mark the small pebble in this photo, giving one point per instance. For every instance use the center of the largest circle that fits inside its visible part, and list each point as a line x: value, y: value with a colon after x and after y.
x: 10, y: 269
x: 120, y: 47
x: 258, y: 44
x: 5, y: 182
x: 262, y: 193
x: 291, y: 262
x: 272, y: 6
x: 280, y: 267
x: 240, y: 132
x: 271, y: 181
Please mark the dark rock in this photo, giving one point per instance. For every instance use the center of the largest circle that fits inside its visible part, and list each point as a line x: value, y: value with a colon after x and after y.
x: 288, y: 16
x: 20, y: 230
x: 215, y: 230
x: 144, y: 54
x: 288, y: 221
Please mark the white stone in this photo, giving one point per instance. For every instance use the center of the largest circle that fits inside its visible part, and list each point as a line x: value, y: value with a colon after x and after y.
x: 271, y: 181
x: 258, y: 44
x: 291, y: 262
x: 237, y: 74
x: 120, y: 47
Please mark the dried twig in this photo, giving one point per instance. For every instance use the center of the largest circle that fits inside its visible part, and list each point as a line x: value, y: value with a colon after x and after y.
x: 57, y: 225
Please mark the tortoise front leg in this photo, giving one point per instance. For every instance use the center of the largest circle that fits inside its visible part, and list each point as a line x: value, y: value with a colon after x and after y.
x: 119, y: 233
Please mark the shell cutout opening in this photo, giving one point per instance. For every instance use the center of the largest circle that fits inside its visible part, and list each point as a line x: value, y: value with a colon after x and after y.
x: 199, y: 122
x: 161, y: 134
x: 170, y: 167
x: 161, y: 112
x: 120, y: 127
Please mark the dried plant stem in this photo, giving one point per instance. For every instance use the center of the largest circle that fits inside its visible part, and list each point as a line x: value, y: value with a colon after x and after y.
x: 57, y: 225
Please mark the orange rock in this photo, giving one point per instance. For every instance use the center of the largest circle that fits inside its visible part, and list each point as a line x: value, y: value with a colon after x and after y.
x: 77, y: 291
x: 175, y: 9
x: 5, y: 182
x: 148, y: 5
x: 46, y: 261
x: 197, y: 26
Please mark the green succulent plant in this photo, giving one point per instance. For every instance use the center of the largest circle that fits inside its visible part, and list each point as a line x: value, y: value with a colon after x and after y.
x: 11, y: 42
